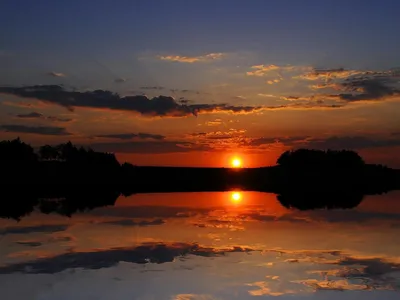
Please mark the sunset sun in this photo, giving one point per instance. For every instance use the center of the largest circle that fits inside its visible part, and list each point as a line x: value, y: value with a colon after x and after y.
x: 236, y: 197
x: 236, y: 162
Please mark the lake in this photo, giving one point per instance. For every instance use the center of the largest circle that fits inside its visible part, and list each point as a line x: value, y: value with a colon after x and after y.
x: 192, y: 246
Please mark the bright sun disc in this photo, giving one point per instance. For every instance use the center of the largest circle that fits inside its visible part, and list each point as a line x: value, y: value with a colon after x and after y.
x: 236, y: 163
x: 236, y: 196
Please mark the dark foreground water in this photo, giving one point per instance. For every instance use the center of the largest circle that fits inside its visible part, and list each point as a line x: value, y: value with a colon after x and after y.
x: 204, y: 246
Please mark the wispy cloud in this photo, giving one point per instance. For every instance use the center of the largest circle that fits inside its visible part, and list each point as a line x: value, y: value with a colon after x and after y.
x: 130, y: 136
x: 120, y: 80
x: 326, y: 74
x: 263, y: 70
x: 42, y: 130
x: 216, y: 122
x: 56, y: 74
x: 351, y: 142
x: 193, y: 59
x: 266, y: 95
x: 32, y: 115
x: 274, y: 81
x: 34, y: 229
x: 157, y: 88
x: 324, y: 143
x: 219, y: 135
x: 149, y: 147
x: 36, y: 115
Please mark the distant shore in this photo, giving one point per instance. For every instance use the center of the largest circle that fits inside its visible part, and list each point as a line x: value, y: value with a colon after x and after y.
x: 79, y: 179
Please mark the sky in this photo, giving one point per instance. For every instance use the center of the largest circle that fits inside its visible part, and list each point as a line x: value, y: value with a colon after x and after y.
x: 194, y: 83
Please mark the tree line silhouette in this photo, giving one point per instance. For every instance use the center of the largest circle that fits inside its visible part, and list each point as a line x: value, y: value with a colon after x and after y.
x: 59, y: 164
x: 81, y: 178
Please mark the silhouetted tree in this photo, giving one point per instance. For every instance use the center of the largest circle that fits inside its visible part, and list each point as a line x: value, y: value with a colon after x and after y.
x: 319, y: 159
x: 49, y: 152
x: 16, y: 151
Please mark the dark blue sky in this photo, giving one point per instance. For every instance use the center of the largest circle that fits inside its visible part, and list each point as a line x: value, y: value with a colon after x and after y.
x: 321, y: 32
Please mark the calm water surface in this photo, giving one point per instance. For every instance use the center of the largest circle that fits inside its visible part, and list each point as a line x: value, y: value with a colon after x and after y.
x: 204, y: 246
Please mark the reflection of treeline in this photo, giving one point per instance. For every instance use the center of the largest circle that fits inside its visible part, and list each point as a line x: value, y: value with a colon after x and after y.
x: 62, y: 200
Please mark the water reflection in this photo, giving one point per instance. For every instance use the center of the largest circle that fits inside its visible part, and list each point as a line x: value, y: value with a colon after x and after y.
x: 232, y: 245
x: 68, y: 202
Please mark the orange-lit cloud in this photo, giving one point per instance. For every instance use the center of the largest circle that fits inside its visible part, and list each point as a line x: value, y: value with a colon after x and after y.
x: 216, y: 135
x: 216, y: 122
x: 325, y: 74
x: 193, y: 59
x: 273, y: 81
x: 263, y: 70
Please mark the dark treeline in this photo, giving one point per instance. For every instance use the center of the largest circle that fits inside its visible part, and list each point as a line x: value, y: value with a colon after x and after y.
x: 83, y: 179
x: 61, y: 164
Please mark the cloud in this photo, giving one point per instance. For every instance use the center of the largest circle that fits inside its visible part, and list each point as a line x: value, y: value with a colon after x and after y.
x: 369, y: 89
x: 271, y: 140
x: 266, y: 95
x: 298, y: 98
x: 150, y: 212
x: 264, y: 289
x: 158, y: 88
x: 324, y: 143
x: 327, y: 74
x: 56, y: 74
x: 30, y: 244
x: 327, y: 216
x: 36, y: 115
x: 357, y: 273
x: 350, y: 142
x: 43, y: 130
x: 216, y: 122
x: 193, y: 297
x: 263, y: 70
x: 353, y: 85
x: 150, y: 147
x: 162, y: 106
x: 57, y: 119
x: 120, y: 80
x: 193, y: 59
x: 145, y: 253
x: 186, y: 91
x: 274, y: 81
x: 33, y: 229
x: 36, y: 104
x: 32, y: 115
x: 130, y: 222
x: 219, y: 135
x: 129, y: 136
